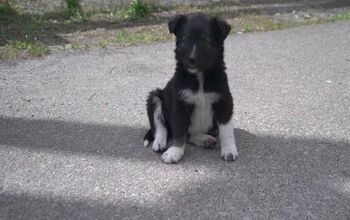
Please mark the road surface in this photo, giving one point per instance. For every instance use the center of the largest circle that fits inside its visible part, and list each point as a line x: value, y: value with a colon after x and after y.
x: 71, y: 129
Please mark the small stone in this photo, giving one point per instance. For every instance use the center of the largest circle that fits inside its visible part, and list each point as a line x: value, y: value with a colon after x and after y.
x: 100, y: 29
x: 68, y: 46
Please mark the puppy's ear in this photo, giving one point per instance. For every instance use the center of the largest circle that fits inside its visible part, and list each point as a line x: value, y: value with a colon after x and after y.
x: 175, y: 23
x: 223, y: 27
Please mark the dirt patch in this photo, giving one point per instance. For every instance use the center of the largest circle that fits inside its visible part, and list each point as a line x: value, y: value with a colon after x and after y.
x: 143, y: 34
x: 60, y: 31
x: 40, y: 6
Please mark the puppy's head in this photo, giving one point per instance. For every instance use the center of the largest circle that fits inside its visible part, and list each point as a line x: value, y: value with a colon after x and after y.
x: 199, y: 40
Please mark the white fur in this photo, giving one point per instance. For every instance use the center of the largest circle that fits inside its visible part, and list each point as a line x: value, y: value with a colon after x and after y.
x: 173, y: 154
x: 227, y: 140
x: 202, y: 115
x: 146, y: 143
x: 161, y: 133
x: 193, y: 71
x: 202, y: 140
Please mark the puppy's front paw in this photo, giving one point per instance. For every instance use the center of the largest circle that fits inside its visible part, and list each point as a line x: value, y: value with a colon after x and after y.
x: 229, y: 153
x: 173, y: 154
x: 159, y: 144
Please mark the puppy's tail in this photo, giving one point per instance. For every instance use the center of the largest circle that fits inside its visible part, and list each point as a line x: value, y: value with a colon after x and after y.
x: 153, y: 101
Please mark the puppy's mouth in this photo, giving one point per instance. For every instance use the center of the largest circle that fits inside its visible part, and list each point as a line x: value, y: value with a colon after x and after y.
x: 193, y: 70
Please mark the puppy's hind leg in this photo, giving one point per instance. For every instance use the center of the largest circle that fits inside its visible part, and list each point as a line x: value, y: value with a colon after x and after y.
x: 157, y: 123
x: 203, y: 140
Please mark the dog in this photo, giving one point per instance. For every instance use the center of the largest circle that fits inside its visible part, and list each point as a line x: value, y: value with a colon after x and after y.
x: 196, y: 103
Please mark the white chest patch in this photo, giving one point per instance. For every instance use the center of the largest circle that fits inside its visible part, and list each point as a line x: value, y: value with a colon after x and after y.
x: 202, y: 115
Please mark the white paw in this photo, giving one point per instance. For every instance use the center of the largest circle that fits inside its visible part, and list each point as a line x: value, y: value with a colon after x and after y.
x: 159, y: 143
x: 203, y: 140
x: 173, y: 154
x: 145, y: 143
x: 229, y: 153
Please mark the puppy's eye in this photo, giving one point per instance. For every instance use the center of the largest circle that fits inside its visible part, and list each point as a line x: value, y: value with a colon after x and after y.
x: 206, y: 43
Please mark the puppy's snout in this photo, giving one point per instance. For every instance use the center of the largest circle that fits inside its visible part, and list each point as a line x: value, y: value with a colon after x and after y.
x: 192, y: 61
x: 192, y: 58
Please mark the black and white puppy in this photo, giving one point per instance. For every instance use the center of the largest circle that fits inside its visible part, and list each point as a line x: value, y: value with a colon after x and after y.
x: 196, y: 102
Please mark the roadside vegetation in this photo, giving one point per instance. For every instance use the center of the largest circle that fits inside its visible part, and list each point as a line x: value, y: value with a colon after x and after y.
x: 23, y: 49
x: 24, y: 35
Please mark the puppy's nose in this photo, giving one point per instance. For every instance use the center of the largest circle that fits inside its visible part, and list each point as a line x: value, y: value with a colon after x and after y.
x: 192, y: 61
x: 192, y: 57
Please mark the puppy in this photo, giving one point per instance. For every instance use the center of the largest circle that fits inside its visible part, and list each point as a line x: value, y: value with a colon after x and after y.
x: 196, y: 102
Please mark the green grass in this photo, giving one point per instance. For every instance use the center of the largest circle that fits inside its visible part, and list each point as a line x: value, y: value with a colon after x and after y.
x: 341, y: 16
x: 258, y: 23
x: 26, y: 35
x: 19, y: 49
x: 142, y: 36
x: 244, y: 23
x: 241, y: 23
x: 7, y: 9
x: 75, y: 10
x: 138, y: 9
x: 103, y: 44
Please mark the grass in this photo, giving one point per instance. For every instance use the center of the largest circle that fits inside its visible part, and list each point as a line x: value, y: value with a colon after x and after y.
x: 243, y: 23
x: 259, y: 23
x: 16, y: 49
x: 342, y: 16
x: 28, y: 26
x: 127, y: 37
x: 147, y: 35
x: 103, y: 44
x: 7, y: 9
x: 28, y: 35
x: 75, y: 11
x: 138, y: 9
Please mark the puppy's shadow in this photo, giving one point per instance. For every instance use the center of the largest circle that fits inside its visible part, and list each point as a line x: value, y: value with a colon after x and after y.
x: 87, y: 138
x: 119, y: 141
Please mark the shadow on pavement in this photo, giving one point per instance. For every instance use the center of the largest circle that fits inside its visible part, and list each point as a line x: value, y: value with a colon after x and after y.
x: 35, y: 207
x: 126, y: 142
x: 279, y: 177
x: 73, y: 137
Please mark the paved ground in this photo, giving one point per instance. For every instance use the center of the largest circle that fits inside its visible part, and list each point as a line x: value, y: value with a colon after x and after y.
x: 71, y: 129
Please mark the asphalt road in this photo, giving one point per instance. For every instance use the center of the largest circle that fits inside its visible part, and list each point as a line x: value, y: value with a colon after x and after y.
x: 71, y: 130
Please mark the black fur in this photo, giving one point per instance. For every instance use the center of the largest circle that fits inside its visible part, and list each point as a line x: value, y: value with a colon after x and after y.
x: 208, y: 34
